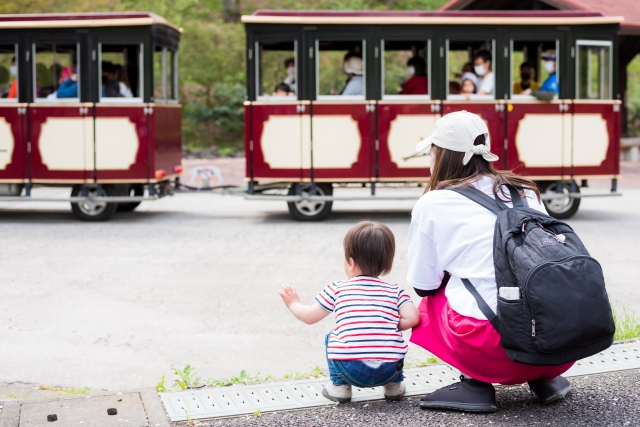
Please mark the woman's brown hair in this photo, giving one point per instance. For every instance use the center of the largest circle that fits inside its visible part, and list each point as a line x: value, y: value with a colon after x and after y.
x: 448, y: 171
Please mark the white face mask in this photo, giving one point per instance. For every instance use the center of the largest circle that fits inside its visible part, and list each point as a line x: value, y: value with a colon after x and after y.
x: 480, y: 70
x: 411, y: 71
x: 291, y: 71
x: 550, y: 66
x: 13, y: 69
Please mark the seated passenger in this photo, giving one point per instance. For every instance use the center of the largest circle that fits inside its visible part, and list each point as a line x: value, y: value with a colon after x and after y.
x: 290, y: 66
x: 469, y: 85
x: 550, y: 86
x: 353, y: 68
x: 13, y: 69
x: 69, y: 87
x: 527, y: 79
x: 282, y: 89
x: 482, y: 67
x: 418, y: 83
x: 120, y: 76
x: 110, y: 86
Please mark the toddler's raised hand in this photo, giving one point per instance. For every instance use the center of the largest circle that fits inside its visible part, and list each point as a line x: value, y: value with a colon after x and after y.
x: 289, y: 295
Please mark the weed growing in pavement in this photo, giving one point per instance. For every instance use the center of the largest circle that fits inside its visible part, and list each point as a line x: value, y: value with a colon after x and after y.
x: 243, y: 378
x: 627, y: 325
x: 315, y: 372
x: 186, y: 377
x: 64, y: 391
x: 160, y: 388
x: 257, y: 413
x: 14, y: 396
x: 430, y: 361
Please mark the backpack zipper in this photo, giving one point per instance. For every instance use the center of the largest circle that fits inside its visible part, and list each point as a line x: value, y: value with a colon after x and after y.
x: 560, y: 238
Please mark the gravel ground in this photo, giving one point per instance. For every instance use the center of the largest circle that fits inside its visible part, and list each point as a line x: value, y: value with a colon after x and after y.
x: 596, y: 400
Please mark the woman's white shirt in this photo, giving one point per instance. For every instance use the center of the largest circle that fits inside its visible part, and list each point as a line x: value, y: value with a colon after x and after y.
x: 125, y: 91
x: 450, y: 232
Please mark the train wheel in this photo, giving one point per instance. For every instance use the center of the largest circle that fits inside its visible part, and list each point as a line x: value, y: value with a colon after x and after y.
x: 311, y: 210
x: 132, y: 190
x: 563, y: 207
x: 94, y: 211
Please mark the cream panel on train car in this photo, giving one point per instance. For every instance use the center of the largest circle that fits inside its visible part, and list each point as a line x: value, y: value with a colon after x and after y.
x: 66, y: 143
x: 544, y: 140
x: 336, y: 141
x: 405, y: 131
x: 590, y: 139
x: 7, y: 143
x: 117, y: 143
x: 280, y: 142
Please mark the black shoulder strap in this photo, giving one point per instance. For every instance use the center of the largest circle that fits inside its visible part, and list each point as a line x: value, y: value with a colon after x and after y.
x: 494, y: 205
x: 482, y: 304
x: 517, y: 200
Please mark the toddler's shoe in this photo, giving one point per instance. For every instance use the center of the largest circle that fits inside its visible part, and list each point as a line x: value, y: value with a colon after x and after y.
x: 337, y: 393
x: 394, y: 391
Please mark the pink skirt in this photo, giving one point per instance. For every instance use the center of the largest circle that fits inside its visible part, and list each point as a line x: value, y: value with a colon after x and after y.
x: 473, y: 346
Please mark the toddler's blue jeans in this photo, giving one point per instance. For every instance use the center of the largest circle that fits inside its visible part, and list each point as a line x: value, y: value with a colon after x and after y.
x: 360, y: 374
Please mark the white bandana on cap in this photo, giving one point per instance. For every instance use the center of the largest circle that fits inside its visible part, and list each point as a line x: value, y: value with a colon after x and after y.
x: 457, y: 132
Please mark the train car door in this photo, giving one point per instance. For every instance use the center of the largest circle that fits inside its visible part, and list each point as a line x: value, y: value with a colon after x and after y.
x: 596, y: 117
x: 406, y: 113
x: 122, y: 152
x: 61, y: 127
x: 13, y: 147
x: 342, y: 120
x: 471, y: 86
x: 276, y: 120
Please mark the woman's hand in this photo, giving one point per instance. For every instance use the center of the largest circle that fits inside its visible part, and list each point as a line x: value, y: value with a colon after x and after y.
x: 289, y: 295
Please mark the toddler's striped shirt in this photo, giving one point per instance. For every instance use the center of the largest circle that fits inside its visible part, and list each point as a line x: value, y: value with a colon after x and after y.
x: 366, y: 310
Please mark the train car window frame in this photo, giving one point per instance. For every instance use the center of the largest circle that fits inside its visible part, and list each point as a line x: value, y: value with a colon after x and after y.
x: 511, y: 76
x: 15, y: 54
x: 400, y: 97
x: 163, y: 74
x: 135, y: 100
x: 33, y: 76
x: 473, y: 97
x: 345, y: 98
x: 258, y: 85
x: 171, y: 91
x: 594, y: 43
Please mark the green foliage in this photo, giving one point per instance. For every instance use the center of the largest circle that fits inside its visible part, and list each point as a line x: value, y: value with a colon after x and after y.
x: 633, y: 96
x: 186, y: 377
x: 160, y: 388
x: 315, y: 372
x: 627, y: 325
x: 243, y: 378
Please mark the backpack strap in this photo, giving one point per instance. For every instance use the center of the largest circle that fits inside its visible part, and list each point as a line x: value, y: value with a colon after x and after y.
x: 517, y: 200
x: 482, y: 304
x: 494, y: 205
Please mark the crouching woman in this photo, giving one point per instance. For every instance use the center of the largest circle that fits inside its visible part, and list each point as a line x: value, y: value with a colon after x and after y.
x: 451, y: 237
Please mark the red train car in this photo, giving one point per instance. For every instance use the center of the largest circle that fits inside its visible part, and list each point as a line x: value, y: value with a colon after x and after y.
x: 89, y: 101
x: 338, y: 98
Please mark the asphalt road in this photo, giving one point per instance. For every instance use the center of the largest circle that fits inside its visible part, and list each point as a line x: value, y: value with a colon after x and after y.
x: 600, y: 400
x: 192, y: 280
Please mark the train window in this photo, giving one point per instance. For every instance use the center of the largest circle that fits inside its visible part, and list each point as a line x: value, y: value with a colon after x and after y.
x: 405, y: 69
x: 120, y: 73
x: 533, y: 69
x: 340, y: 70
x: 593, y: 79
x: 172, y: 75
x: 470, y: 70
x: 159, y: 74
x: 8, y: 73
x: 55, y: 67
x: 276, y: 71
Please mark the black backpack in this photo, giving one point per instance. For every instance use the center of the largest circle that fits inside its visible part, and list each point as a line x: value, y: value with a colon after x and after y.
x: 563, y: 313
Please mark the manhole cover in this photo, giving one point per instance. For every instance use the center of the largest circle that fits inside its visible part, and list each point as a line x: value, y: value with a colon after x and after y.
x: 127, y: 410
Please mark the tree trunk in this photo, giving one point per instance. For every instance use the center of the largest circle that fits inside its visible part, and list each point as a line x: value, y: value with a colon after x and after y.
x: 231, y: 10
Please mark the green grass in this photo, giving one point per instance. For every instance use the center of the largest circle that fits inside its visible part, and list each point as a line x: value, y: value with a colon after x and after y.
x: 627, y: 325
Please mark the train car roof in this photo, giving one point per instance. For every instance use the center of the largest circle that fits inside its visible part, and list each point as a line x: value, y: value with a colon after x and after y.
x: 70, y: 20
x: 476, y: 17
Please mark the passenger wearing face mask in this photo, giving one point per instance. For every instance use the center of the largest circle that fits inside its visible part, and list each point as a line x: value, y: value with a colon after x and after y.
x: 353, y: 67
x: 550, y: 86
x: 527, y: 79
x: 13, y: 91
x: 482, y: 68
x: 290, y: 66
x: 418, y: 83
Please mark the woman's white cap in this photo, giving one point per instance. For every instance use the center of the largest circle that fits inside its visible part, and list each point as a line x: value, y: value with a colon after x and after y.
x: 457, y: 132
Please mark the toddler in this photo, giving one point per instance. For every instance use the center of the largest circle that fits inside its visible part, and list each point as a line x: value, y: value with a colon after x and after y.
x: 366, y: 348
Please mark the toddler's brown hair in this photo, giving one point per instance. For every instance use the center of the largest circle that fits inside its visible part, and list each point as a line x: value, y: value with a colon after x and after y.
x: 372, y: 247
